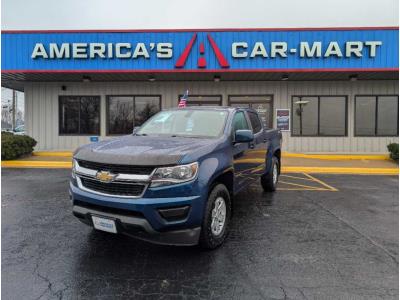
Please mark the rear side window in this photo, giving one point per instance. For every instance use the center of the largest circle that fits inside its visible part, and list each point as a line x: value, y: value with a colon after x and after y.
x: 255, y: 122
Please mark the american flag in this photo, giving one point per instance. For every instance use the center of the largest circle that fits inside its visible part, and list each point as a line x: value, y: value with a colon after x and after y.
x: 182, y: 101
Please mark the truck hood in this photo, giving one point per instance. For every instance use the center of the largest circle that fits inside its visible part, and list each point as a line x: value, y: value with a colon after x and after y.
x: 141, y: 150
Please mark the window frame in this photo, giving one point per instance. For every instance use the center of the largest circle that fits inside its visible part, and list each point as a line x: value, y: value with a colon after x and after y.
x: 346, y: 133
x: 98, y: 133
x: 376, y: 96
x: 134, y: 113
x: 202, y: 102
x: 248, y: 112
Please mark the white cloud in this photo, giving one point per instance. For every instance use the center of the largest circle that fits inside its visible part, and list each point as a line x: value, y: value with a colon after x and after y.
x: 130, y: 14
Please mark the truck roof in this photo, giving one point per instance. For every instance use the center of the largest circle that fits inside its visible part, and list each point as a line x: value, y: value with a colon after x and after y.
x: 226, y: 108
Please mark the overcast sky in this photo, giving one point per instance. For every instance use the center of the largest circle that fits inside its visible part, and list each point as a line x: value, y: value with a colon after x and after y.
x: 134, y: 14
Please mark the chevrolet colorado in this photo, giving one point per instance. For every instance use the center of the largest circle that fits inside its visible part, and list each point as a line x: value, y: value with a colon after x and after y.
x: 172, y: 181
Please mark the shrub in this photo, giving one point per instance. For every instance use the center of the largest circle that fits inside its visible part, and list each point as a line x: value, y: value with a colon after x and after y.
x: 14, y: 146
x: 394, y: 151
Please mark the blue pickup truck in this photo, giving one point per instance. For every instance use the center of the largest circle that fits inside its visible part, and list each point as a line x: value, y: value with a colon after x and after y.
x: 173, y: 180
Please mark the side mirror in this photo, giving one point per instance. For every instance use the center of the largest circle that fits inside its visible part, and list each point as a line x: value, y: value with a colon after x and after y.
x: 135, y: 129
x: 244, y: 136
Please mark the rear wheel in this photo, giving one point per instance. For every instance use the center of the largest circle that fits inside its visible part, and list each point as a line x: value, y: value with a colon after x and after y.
x: 269, y: 181
x: 216, y: 219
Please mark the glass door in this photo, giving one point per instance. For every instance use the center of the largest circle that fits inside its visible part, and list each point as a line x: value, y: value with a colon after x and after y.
x: 263, y: 104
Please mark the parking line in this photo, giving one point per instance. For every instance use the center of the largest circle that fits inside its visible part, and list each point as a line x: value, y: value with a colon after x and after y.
x: 301, y: 185
x: 302, y: 189
x: 322, y: 183
x: 293, y: 186
x: 296, y: 177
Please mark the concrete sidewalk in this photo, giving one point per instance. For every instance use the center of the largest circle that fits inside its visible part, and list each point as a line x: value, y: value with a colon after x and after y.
x: 291, y: 163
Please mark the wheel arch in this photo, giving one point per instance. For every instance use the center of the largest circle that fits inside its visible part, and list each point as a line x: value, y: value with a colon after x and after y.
x: 226, y: 178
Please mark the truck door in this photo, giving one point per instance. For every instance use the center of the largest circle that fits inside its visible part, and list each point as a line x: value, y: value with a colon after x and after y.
x: 241, y: 165
x: 258, y: 148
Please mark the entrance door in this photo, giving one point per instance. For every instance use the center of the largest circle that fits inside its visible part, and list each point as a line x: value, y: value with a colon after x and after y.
x: 263, y: 104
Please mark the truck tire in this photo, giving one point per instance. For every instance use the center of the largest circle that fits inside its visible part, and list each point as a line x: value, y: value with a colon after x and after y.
x: 216, y: 218
x: 269, y: 181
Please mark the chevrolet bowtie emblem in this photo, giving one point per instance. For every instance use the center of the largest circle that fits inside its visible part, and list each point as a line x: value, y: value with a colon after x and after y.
x: 105, y: 176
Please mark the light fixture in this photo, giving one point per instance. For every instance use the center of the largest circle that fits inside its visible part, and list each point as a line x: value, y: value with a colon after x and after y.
x: 217, y: 78
x: 63, y: 87
x: 353, y: 77
x: 302, y: 102
x: 285, y: 77
x: 152, y: 78
x: 86, y: 79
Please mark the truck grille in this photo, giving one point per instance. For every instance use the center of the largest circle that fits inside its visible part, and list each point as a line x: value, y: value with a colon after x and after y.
x: 113, y: 188
x: 121, y: 169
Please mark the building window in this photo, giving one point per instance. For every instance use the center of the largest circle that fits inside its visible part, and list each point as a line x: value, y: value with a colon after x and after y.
x: 319, y: 115
x: 261, y: 103
x: 126, y: 112
x: 376, y: 116
x: 203, y: 100
x: 79, y: 115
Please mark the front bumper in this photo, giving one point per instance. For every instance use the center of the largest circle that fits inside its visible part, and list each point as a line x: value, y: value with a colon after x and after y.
x: 140, y: 228
x: 145, y: 218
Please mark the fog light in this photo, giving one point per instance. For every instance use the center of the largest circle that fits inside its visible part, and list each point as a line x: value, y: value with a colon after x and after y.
x: 175, y: 213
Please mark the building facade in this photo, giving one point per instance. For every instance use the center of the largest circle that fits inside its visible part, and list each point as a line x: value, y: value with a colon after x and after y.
x: 328, y: 90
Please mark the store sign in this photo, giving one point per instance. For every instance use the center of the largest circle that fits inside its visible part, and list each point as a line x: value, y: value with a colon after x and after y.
x: 242, y: 50
x: 238, y: 50
x: 283, y: 119
x: 100, y: 50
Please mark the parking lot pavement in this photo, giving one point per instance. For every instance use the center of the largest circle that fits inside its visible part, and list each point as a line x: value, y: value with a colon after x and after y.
x: 294, y: 244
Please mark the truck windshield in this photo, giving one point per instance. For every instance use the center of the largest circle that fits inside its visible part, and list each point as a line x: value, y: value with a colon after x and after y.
x: 190, y: 123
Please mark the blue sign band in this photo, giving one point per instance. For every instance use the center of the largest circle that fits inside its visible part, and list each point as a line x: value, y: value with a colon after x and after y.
x: 201, y: 50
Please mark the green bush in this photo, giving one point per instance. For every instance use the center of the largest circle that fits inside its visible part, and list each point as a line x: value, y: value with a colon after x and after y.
x: 394, y: 151
x: 14, y: 146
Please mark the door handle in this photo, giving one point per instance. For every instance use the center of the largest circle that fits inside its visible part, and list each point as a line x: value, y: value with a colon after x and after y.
x: 251, y: 146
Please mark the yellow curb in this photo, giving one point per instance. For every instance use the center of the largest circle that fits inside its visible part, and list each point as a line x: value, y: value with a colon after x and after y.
x: 334, y: 170
x: 338, y: 156
x: 36, y: 164
x: 53, y: 153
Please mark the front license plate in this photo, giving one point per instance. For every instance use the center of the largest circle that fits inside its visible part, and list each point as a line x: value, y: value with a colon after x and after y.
x: 104, y: 224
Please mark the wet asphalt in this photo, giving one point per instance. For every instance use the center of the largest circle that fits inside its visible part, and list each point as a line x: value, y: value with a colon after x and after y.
x: 286, y: 245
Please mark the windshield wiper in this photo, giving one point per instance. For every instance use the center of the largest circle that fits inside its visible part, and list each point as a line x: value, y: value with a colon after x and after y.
x: 186, y: 136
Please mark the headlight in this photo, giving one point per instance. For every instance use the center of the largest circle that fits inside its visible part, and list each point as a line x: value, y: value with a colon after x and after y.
x: 73, y: 169
x: 176, y: 174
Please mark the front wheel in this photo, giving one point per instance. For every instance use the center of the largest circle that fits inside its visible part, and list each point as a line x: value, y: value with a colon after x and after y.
x: 269, y: 181
x: 216, y: 218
